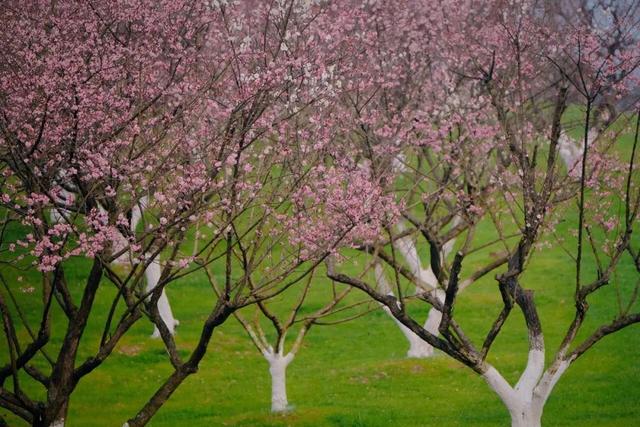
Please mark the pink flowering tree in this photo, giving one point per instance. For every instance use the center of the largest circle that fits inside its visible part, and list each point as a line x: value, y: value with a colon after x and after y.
x: 401, y: 118
x: 271, y: 324
x: 94, y: 101
x: 514, y: 75
x: 177, y: 115
x: 278, y: 134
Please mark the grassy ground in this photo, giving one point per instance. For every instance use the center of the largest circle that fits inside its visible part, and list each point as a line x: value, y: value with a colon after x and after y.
x: 355, y: 374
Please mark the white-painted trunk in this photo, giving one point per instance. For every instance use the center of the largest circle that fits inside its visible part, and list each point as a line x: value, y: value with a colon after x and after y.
x: 409, y: 252
x: 152, y: 274
x: 419, y: 348
x: 399, y: 163
x: 431, y: 325
x: 525, y: 402
x: 119, y: 243
x: 531, y: 374
x: 278, y: 369
x: 57, y: 423
x: 525, y: 416
x: 136, y: 212
x: 279, y: 402
x: 571, y: 150
x: 56, y: 216
x: 524, y: 410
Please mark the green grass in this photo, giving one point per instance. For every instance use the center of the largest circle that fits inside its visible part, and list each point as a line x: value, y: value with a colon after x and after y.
x: 355, y: 374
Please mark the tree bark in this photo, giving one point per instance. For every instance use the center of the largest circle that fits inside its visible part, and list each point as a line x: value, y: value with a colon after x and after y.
x: 419, y: 348
x: 525, y: 402
x: 278, y: 371
x: 278, y: 364
x: 62, y: 382
x: 525, y: 410
x: 526, y: 415
x: 51, y: 417
x: 152, y: 274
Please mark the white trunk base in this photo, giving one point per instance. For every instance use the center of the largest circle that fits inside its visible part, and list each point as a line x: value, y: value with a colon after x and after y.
x: 136, y: 212
x: 57, y: 423
x: 526, y: 417
x: 523, y: 405
x: 419, y: 348
x: 526, y: 400
x: 278, y: 370
x: 152, y: 274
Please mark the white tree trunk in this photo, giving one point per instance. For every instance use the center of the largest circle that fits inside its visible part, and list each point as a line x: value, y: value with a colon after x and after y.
x: 419, y: 348
x: 526, y: 416
x: 119, y: 243
x: 525, y: 411
x: 409, y: 252
x: 571, y: 151
x: 56, y: 215
x: 278, y: 369
x: 57, y: 423
x: 525, y: 402
x: 431, y: 325
x: 152, y: 274
x: 136, y: 212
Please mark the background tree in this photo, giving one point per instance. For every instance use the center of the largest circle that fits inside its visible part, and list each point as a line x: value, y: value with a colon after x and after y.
x: 116, y: 102
x: 298, y: 319
x: 509, y: 62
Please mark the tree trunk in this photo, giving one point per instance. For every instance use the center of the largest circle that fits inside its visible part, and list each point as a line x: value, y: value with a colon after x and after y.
x: 137, y: 211
x: 279, y: 402
x: 524, y: 404
x: 152, y: 274
x: 119, y: 243
x: 419, y: 348
x: 62, y: 382
x: 526, y: 415
x: 50, y: 419
x: 432, y: 324
x: 216, y: 318
x: 278, y: 369
x: 167, y: 316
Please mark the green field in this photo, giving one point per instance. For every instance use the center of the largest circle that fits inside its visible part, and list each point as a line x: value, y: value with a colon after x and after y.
x: 355, y: 373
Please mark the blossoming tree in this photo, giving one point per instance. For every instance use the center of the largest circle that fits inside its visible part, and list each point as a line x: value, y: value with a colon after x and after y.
x: 179, y: 106
x: 520, y: 74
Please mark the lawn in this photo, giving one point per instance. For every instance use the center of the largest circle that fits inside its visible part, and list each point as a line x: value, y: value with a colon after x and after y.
x: 356, y: 373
